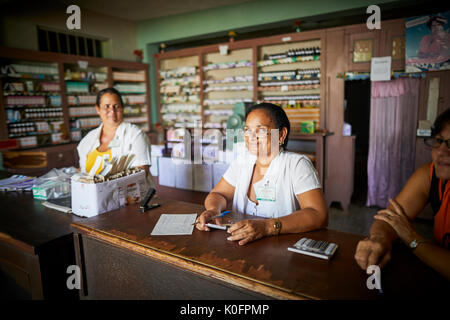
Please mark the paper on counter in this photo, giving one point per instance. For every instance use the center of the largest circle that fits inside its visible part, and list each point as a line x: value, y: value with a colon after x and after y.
x: 174, y: 224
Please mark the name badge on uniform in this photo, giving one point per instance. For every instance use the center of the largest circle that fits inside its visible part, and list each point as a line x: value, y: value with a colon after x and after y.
x: 114, y: 143
x: 266, y: 192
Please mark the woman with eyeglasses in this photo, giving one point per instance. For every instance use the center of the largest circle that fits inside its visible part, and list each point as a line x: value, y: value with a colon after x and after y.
x: 429, y: 184
x: 113, y: 138
x: 268, y: 182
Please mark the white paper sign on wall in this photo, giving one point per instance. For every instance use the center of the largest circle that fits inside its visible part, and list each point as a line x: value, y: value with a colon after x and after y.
x: 380, y: 69
x: 223, y: 50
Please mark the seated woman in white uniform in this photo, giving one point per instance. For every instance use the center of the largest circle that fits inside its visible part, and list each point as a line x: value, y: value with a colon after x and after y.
x: 114, y: 137
x: 281, y: 187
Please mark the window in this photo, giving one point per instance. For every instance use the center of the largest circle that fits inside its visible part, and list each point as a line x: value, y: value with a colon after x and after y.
x: 60, y: 42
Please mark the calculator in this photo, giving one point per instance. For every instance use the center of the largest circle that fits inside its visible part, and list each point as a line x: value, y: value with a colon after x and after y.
x: 315, y: 248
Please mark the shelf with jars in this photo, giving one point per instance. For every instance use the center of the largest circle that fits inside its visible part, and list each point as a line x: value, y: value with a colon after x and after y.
x: 132, y: 84
x: 227, y: 80
x: 82, y: 84
x: 289, y: 75
x: 179, y: 89
x: 31, y: 94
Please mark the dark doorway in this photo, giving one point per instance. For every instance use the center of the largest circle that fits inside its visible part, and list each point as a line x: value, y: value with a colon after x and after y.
x: 357, y: 114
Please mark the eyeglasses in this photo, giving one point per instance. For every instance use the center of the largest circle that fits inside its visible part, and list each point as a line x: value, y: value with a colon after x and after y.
x: 436, y: 142
x: 108, y: 107
x: 259, y: 132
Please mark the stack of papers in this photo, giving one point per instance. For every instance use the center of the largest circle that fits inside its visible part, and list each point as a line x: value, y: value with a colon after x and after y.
x: 17, y: 183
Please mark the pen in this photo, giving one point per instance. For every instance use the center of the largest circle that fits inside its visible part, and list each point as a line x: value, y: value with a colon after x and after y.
x: 220, y: 215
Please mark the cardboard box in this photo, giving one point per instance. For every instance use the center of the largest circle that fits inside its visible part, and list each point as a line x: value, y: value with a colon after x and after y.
x: 91, y: 199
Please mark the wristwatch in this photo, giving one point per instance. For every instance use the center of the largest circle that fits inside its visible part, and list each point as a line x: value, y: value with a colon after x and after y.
x: 415, y: 243
x: 277, y: 226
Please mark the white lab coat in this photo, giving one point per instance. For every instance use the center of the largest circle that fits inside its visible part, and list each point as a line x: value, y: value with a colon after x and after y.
x: 129, y: 139
x: 289, y: 173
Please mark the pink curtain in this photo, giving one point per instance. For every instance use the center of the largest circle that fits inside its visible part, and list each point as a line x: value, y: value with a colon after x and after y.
x: 393, y: 119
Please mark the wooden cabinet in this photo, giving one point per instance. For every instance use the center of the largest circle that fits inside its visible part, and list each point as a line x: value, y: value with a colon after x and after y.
x: 67, y: 82
x: 362, y: 44
x: 285, y: 69
x: 38, y: 161
x: 63, y: 156
x: 36, y: 248
x: 392, y: 42
x: 359, y: 45
x: 63, y: 90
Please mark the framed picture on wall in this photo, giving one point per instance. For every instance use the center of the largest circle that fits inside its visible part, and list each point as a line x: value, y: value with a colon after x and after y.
x: 428, y: 42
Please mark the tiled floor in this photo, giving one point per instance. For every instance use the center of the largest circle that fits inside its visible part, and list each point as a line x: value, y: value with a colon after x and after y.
x: 359, y: 219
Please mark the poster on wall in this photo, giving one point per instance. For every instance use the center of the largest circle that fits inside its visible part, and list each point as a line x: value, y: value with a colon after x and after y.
x: 428, y: 42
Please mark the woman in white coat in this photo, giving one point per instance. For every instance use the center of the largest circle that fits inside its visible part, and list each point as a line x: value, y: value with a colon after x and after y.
x: 114, y: 137
x: 281, y: 187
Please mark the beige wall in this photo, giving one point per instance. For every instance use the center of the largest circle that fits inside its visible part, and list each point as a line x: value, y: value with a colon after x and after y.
x: 20, y: 30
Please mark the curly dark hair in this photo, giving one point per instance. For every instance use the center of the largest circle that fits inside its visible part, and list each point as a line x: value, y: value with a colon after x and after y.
x: 441, y: 121
x: 277, y: 115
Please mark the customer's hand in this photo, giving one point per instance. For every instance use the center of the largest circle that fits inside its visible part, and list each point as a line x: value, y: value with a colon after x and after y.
x: 205, y: 217
x: 375, y: 250
x: 398, y: 220
x: 248, y: 230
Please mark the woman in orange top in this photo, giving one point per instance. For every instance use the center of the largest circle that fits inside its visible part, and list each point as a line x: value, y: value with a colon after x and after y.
x: 428, y: 184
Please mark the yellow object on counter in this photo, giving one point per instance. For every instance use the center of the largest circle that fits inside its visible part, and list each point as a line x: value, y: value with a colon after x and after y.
x: 92, y: 157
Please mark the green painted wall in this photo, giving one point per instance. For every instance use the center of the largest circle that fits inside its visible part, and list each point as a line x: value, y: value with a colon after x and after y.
x: 242, y: 15
x: 152, y: 49
x: 222, y: 19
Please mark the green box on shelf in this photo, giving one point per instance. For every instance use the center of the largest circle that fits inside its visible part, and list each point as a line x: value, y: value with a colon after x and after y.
x: 308, y: 127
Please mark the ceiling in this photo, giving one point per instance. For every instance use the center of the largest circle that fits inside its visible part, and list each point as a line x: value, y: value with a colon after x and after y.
x: 134, y: 10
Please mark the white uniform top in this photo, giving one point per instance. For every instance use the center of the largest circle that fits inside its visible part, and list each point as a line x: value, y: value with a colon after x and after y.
x: 289, y: 174
x: 129, y: 139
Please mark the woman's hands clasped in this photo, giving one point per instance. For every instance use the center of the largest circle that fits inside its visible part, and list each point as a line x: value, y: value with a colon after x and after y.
x: 398, y: 220
x: 377, y: 249
x: 243, y: 231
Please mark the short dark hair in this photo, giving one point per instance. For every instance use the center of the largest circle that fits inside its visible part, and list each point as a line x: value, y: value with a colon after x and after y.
x: 110, y: 90
x: 277, y: 115
x: 441, y: 121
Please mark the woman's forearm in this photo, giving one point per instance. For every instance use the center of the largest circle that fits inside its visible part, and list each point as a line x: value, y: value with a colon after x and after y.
x: 303, y: 220
x: 383, y: 230
x: 436, y: 257
x: 215, y: 201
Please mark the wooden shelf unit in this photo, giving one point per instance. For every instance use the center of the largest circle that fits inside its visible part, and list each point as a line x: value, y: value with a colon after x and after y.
x: 238, y: 51
x: 62, y: 63
x: 133, y: 84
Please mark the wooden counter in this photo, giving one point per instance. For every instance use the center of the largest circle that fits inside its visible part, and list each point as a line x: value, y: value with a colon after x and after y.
x: 120, y: 260
x: 36, y: 247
